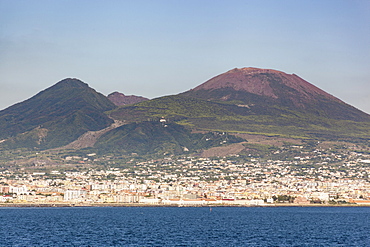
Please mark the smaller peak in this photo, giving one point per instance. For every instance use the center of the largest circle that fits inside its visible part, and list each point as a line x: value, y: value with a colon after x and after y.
x: 116, y: 94
x: 71, y: 79
x: 119, y: 99
x: 72, y: 82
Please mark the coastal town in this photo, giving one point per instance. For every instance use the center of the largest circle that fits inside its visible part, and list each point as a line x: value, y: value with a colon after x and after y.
x: 317, y: 177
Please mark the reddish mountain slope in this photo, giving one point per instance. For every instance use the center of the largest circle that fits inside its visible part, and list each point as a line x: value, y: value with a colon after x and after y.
x: 264, y: 82
x: 266, y: 88
x: 121, y: 99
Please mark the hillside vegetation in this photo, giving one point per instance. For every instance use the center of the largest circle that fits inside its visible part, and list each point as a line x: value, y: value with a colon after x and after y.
x: 237, y: 117
x: 241, y: 102
x: 151, y: 137
x: 55, y: 116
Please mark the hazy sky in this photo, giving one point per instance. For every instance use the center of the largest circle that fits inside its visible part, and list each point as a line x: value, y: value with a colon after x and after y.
x: 155, y: 48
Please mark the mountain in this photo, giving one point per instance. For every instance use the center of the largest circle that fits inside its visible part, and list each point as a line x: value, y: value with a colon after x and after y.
x: 55, y: 116
x: 226, y: 109
x: 267, y: 88
x: 120, y: 99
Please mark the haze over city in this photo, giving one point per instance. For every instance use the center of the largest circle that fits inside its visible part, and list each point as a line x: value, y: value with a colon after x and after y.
x: 156, y: 48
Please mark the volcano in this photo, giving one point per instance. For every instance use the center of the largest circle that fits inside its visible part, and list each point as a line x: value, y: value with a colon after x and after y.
x: 240, y: 101
x: 269, y: 88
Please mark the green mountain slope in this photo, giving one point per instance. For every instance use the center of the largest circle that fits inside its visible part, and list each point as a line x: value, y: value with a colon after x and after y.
x: 229, y: 117
x: 154, y: 137
x: 256, y: 101
x: 55, y: 116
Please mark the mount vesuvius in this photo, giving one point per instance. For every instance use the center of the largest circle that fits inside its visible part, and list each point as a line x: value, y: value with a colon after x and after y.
x: 247, y: 100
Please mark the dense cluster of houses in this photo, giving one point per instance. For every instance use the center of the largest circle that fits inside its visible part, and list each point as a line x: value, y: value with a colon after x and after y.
x: 200, y: 181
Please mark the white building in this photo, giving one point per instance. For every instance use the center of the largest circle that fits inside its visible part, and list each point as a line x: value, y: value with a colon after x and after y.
x: 74, y: 194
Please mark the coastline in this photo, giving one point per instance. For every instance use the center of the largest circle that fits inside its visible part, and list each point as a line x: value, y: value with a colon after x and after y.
x: 63, y: 205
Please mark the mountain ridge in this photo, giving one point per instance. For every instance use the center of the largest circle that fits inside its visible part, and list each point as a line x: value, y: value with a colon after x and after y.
x: 72, y: 115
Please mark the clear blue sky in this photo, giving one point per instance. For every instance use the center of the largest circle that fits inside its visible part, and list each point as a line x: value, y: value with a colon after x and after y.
x: 155, y: 48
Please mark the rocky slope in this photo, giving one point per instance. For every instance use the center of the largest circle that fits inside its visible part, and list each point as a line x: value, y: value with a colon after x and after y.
x: 267, y: 88
x: 265, y: 82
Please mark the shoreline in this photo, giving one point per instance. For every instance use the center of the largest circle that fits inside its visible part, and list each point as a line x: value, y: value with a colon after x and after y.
x: 82, y: 205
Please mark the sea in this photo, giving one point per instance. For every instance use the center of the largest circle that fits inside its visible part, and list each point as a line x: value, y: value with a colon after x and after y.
x: 185, y: 226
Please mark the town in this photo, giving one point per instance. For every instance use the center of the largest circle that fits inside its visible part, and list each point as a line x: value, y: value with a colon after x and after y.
x: 287, y: 176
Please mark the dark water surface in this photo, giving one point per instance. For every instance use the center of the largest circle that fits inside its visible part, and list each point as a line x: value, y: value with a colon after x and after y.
x: 167, y: 226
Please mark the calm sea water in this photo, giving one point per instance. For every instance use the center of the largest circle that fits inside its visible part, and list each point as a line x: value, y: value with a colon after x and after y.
x: 285, y: 226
